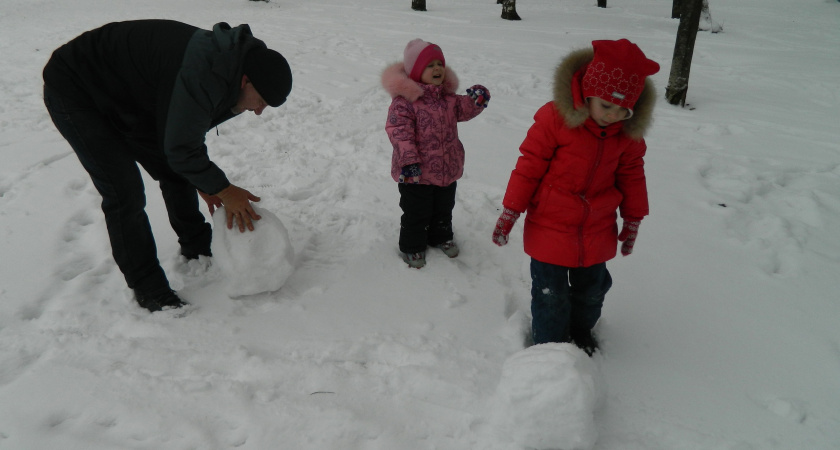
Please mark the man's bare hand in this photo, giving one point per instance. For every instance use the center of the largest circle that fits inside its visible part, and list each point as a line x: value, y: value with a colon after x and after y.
x: 238, y: 206
x: 213, y: 201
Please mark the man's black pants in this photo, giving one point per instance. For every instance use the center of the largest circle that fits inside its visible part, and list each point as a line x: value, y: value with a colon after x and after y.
x: 111, y: 160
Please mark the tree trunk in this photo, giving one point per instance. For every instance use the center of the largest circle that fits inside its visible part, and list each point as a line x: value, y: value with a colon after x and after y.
x: 418, y: 5
x: 677, y: 88
x: 706, y: 22
x: 676, y: 7
x: 509, y: 10
x: 602, y: 3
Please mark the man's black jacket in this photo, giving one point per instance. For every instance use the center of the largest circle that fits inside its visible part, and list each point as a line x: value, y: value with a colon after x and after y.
x: 162, y: 83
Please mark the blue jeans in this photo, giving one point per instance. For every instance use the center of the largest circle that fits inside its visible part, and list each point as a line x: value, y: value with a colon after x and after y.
x: 111, y: 161
x: 566, y: 299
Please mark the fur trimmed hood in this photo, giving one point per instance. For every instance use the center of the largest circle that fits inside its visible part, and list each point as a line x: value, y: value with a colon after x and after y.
x: 568, y: 96
x: 397, y: 83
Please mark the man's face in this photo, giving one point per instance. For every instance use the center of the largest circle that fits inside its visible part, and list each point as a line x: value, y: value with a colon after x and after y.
x: 249, y: 99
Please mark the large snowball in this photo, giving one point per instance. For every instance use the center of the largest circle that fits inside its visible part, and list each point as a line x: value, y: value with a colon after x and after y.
x: 547, y: 397
x: 254, y: 261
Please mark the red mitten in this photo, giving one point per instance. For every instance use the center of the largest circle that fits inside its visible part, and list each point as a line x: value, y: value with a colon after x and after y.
x: 504, y: 225
x: 628, y: 235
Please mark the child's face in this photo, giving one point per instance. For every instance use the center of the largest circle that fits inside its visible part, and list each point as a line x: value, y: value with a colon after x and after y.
x: 433, y: 73
x: 605, y: 113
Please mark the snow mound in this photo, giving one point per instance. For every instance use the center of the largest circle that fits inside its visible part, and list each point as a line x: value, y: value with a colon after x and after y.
x: 256, y: 261
x: 547, y: 397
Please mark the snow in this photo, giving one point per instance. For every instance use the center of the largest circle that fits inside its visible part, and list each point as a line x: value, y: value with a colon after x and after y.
x: 721, y: 330
x: 254, y: 262
x: 547, y: 397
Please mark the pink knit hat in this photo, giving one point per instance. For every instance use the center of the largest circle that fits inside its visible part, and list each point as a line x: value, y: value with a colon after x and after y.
x: 417, y: 55
x: 617, y: 72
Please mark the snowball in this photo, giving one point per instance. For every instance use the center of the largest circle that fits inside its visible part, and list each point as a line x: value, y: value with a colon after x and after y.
x: 254, y: 261
x: 547, y: 397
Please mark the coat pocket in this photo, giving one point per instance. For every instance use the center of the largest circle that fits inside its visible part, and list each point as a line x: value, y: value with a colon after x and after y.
x: 558, y: 209
x: 603, y: 209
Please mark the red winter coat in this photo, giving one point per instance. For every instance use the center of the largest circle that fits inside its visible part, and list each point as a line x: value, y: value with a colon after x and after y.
x: 573, y: 175
x: 423, y: 125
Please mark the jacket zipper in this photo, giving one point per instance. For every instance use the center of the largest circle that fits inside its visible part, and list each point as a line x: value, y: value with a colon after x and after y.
x: 586, y: 207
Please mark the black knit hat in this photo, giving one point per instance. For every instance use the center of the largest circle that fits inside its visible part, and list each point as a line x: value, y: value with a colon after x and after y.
x: 270, y: 74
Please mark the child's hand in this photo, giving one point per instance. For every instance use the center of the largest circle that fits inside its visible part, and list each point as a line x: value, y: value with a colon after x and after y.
x: 628, y: 235
x: 410, y: 174
x: 504, y: 225
x: 480, y: 95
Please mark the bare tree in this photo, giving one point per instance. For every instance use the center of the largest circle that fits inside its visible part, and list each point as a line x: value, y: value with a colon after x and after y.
x: 706, y: 22
x: 508, y: 9
x: 418, y: 5
x: 677, y: 88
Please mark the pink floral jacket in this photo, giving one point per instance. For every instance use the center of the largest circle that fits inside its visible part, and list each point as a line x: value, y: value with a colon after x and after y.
x: 423, y: 125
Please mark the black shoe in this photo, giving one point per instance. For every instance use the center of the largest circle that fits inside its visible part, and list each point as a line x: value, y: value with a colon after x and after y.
x: 194, y: 254
x: 585, y: 341
x: 160, y: 301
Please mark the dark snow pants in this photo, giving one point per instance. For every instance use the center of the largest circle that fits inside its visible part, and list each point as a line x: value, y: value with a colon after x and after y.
x: 565, y: 299
x: 427, y: 215
x: 111, y: 161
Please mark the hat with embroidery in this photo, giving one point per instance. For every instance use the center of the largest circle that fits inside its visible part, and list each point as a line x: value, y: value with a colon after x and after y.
x: 417, y: 55
x: 617, y: 72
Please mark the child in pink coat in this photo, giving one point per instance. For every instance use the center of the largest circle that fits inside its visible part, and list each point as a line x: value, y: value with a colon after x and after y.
x: 428, y: 157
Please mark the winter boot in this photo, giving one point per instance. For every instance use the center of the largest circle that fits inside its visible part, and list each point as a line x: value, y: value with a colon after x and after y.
x: 415, y: 260
x: 450, y: 248
x: 585, y: 340
x: 194, y: 254
x: 159, y: 301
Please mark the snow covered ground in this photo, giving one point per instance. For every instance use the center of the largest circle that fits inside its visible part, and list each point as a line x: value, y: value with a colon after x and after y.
x: 722, y: 330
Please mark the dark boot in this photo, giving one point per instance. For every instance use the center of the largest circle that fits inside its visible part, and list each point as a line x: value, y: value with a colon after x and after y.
x: 585, y: 340
x: 159, y: 301
x: 194, y: 254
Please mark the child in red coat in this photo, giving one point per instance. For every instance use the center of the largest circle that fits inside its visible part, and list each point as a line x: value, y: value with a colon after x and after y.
x: 581, y: 161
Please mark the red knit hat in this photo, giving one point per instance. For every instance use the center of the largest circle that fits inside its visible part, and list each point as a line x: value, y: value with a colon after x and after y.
x: 617, y: 72
x: 417, y: 55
